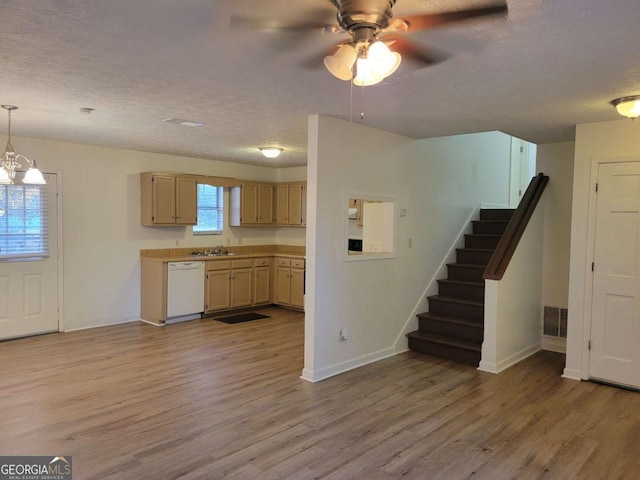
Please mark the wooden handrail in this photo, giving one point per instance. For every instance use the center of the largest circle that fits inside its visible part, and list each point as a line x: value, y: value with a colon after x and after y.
x: 507, y: 245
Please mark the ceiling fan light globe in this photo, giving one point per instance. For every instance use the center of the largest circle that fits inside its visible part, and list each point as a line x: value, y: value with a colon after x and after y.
x: 387, y: 65
x: 340, y: 64
x: 377, y: 51
x: 365, y: 76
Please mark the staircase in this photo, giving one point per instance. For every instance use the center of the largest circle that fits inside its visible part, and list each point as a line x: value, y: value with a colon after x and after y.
x: 453, y: 328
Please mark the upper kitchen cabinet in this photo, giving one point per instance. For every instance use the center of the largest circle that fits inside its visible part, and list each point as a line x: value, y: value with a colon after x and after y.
x: 168, y: 200
x: 252, y: 204
x: 291, y: 203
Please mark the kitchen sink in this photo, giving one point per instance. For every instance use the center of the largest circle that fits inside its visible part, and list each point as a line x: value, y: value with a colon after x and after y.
x: 203, y: 254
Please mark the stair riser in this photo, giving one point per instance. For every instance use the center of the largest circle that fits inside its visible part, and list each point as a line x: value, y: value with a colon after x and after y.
x: 496, y: 214
x: 462, y: 310
x: 448, y: 329
x: 443, y: 351
x: 467, y: 292
x: 494, y: 228
x: 490, y: 243
x: 473, y: 257
x: 467, y: 274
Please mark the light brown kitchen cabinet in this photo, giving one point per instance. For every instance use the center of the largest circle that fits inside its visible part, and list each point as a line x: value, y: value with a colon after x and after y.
x: 218, y: 290
x: 251, y: 204
x: 262, y: 281
x: 282, y: 203
x: 291, y: 203
x: 290, y: 282
x: 153, y: 291
x: 168, y: 200
x: 241, y: 287
x: 228, y: 284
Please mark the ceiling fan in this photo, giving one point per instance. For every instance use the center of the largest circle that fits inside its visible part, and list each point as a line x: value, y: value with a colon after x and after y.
x: 365, y: 57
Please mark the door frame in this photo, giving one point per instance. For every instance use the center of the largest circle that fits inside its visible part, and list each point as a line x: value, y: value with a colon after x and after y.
x: 59, y: 203
x: 59, y: 253
x: 591, y: 245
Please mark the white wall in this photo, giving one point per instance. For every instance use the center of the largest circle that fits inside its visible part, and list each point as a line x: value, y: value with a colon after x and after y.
x: 102, y: 236
x: 618, y: 140
x: 556, y: 161
x: 438, y: 181
x: 512, y: 305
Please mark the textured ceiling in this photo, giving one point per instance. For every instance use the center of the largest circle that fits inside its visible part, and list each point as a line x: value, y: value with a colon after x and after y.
x: 535, y: 74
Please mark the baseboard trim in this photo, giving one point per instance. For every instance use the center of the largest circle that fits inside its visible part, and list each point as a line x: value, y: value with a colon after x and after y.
x: 572, y: 374
x: 342, y: 367
x: 554, y: 344
x: 511, y: 360
x: 106, y: 322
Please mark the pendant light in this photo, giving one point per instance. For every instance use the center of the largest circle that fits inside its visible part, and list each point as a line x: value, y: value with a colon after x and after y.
x: 10, y: 161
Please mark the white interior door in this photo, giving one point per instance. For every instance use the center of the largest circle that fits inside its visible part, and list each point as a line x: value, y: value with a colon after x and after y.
x: 614, y: 355
x: 523, y: 169
x: 28, y: 259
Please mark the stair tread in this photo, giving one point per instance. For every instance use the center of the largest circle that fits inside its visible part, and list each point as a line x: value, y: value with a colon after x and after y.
x: 451, y: 319
x: 467, y: 249
x: 444, y: 340
x: 467, y: 265
x: 461, y: 282
x: 456, y: 300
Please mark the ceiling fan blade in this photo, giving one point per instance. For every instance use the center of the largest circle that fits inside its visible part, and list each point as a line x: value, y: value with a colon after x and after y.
x: 431, y: 20
x: 274, y: 26
x: 315, y: 61
x: 413, y: 51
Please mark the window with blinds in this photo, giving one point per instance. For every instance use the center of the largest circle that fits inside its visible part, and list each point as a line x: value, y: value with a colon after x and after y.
x: 210, y: 211
x: 23, y: 221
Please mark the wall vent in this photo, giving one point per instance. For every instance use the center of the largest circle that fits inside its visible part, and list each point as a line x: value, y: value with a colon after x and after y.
x: 554, y: 322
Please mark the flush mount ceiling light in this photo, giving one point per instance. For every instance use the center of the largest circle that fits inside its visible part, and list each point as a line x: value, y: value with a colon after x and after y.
x: 10, y: 161
x: 628, y: 106
x: 271, y: 152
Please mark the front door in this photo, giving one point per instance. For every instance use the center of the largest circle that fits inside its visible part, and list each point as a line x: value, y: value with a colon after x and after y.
x: 28, y: 259
x: 614, y: 354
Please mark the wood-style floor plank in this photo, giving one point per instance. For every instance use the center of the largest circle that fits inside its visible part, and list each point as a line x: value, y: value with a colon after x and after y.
x: 207, y: 400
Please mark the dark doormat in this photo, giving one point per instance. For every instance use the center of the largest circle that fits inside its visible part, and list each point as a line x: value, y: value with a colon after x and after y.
x: 242, y: 317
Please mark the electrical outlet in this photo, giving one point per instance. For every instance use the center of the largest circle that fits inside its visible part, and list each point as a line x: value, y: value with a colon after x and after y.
x: 344, y: 335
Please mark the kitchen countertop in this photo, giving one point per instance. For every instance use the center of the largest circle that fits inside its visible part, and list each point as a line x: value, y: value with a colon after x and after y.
x: 181, y: 255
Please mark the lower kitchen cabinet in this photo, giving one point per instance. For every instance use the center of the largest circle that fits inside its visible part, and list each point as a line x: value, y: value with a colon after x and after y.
x: 262, y: 281
x: 290, y: 282
x: 228, y: 284
x: 218, y: 290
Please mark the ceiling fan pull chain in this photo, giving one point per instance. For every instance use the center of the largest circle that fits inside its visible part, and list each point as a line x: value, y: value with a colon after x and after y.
x: 350, y: 102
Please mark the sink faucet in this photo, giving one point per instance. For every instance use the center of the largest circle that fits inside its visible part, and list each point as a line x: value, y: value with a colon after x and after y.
x: 218, y: 250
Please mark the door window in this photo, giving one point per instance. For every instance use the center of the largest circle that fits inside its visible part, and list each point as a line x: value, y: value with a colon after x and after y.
x: 23, y: 221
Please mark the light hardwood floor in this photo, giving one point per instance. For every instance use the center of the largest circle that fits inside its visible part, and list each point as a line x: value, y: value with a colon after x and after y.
x: 206, y: 400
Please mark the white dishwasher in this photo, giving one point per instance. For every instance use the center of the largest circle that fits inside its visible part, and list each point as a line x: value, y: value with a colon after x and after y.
x: 185, y: 288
